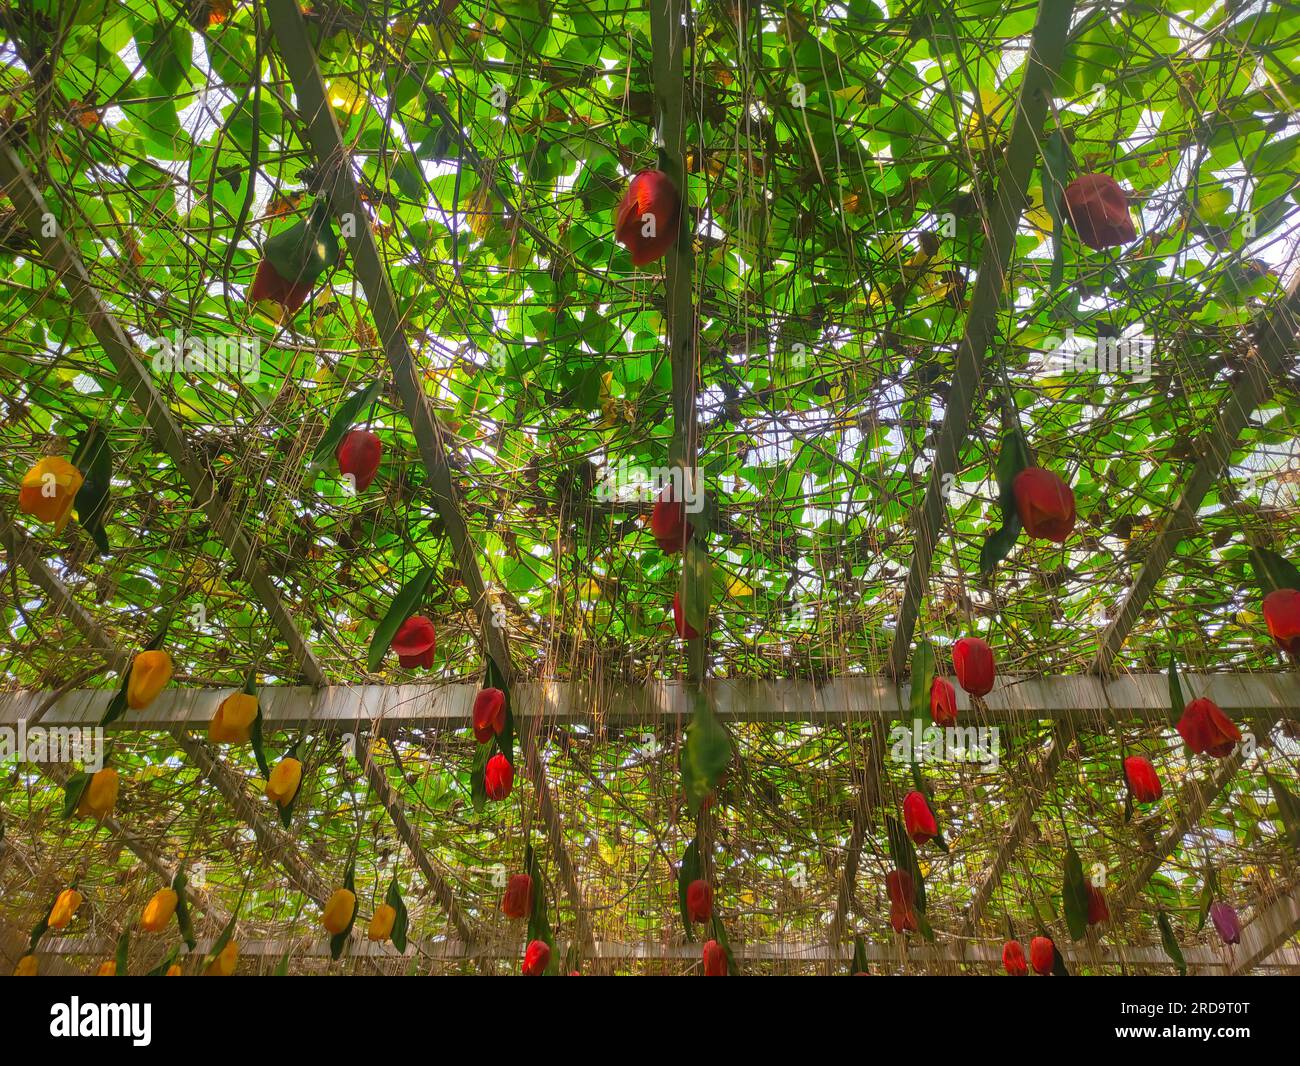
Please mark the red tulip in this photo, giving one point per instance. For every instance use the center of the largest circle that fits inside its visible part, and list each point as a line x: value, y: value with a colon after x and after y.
x: 1207, y: 730
x: 918, y: 818
x: 1098, y: 911
x: 268, y: 285
x: 668, y: 522
x: 972, y: 661
x: 1044, y: 503
x: 1282, y: 616
x: 684, y: 629
x: 1098, y: 209
x: 358, y: 454
x: 1142, y: 779
x: 1013, y: 959
x: 489, y: 714
x: 943, y: 702
x: 647, y: 219
x: 902, y: 917
x: 1042, y: 954
x: 715, y: 959
x: 898, y: 883
x: 537, y: 956
x: 699, y: 901
x: 498, y: 777
x: 415, y: 642
x: 1226, y: 923
x: 518, y: 900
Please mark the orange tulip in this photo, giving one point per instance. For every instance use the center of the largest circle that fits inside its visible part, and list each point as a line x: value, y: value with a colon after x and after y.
x: 159, y: 910
x: 174, y: 970
x: 49, y: 490
x: 107, y: 969
x: 150, y: 672
x: 284, y: 781
x: 26, y: 966
x: 233, y: 722
x: 338, y: 912
x: 381, y: 925
x: 100, y: 795
x: 224, y: 964
x: 65, y: 906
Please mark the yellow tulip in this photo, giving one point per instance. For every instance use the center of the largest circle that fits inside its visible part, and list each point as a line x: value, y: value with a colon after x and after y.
x: 224, y: 964
x: 107, y: 969
x: 338, y: 911
x: 64, y: 908
x: 98, y: 797
x: 381, y: 925
x: 150, y: 672
x: 284, y: 781
x: 49, y: 489
x: 26, y: 966
x: 233, y: 721
x: 174, y: 970
x: 158, y: 911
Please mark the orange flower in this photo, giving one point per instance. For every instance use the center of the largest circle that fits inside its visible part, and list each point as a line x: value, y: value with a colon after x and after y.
x: 49, y: 490
x: 100, y: 795
x: 381, y: 925
x: 284, y: 781
x: 107, y: 969
x: 234, y: 719
x: 224, y: 964
x: 65, y: 906
x: 159, y: 910
x: 26, y: 966
x: 339, y: 909
x: 150, y: 672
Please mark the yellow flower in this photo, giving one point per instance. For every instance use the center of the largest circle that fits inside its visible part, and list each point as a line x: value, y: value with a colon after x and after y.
x: 224, y: 964
x: 381, y: 925
x: 49, y: 489
x: 150, y: 672
x: 64, y: 908
x: 234, y: 719
x: 26, y: 966
x: 174, y: 970
x: 158, y: 911
x: 338, y: 911
x: 98, y: 797
x: 284, y: 781
x: 107, y: 969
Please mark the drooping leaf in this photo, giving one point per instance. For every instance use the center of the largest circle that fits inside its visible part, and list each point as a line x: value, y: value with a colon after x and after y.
x: 339, y: 940
x: 1272, y: 571
x: 73, y: 789
x: 688, y: 871
x: 123, y: 949
x: 183, y: 919
x: 697, y: 573
x: 1074, y: 894
x: 94, y: 459
x: 904, y: 856
x: 305, y: 250
x: 401, y: 921
x: 346, y: 415
x: 402, y: 607
x: 1012, y: 458
x: 705, y: 755
x: 1288, y: 809
x: 1170, y: 943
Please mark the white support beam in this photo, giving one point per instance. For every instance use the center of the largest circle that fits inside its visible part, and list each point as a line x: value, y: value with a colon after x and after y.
x: 1263, y: 939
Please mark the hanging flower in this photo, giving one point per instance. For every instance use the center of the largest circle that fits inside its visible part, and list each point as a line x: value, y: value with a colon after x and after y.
x: 1207, y: 730
x: 668, y: 522
x: 381, y: 925
x: 647, y: 219
x: 684, y: 629
x: 65, y: 906
x: 918, y: 818
x: 902, y: 917
x: 174, y: 970
x: 1226, y: 923
x: 358, y: 454
x: 537, y: 956
x: 26, y: 966
x: 338, y: 912
x: 489, y: 714
x: 498, y: 777
x: 1098, y: 210
x: 415, y: 642
x: 233, y: 722
x: 1098, y: 911
x: 224, y: 964
x: 1013, y: 959
x: 715, y: 959
x: 159, y: 910
x: 100, y: 795
x: 107, y: 969
x: 283, y: 783
x: 972, y: 662
x: 518, y: 900
x: 898, y: 884
x: 49, y: 490
x: 150, y: 672
x: 1282, y: 616
x: 1142, y: 780
x: 943, y: 702
x: 268, y: 285
x: 1044, y: 503
x: 1042, y: 955
x: 699, y: 901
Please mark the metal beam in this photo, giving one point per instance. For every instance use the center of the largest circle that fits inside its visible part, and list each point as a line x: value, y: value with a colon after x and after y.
x: 1262, y: 940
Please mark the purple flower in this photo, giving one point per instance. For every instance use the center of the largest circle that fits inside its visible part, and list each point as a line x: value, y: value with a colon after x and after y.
x: 1226, y: 923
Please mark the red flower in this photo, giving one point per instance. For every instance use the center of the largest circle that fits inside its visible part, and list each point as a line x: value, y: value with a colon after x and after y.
x: 1042, y: 954
x: 902, y: 917
x: 358, y: 454
x: 1142, y: 779
x: 898, y: 883
x: 1282, y: 616
x: 1207, y: 730
x: 537, y: 956
x: 268, y: 285
x: 415, y: 642
x: 918, y: 818
x: 1013, y: 959
x: 699, y: 901
x: 715, y: 959
x: 684, y: 629
x: 1098, y: 912
x: 972, y: 661
x: 1098, y: 209
x: 668, y: 522
x: 647, y: 219
x: 943, y: 702
x: 518, y: 900
x: 489, y: 714
x: 1044, y: 503
x: 498, y: 777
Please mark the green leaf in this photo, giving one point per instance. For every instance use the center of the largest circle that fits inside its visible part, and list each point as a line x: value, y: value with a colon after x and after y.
x: 282, y: 967
x: 1272, y: 571
x: 505, y: 740
x: 1170, y: 943
x: 73, y: 789
x: 923, y: 667
x: 94, y: 459
x: 305, y: 250
x: 1012, y: 458
x: 859, y: 956
x: 1074, y: 894
x: 183, y: 919
x: 720, y: 935
x: 697, y: 574
x: 339, y: 940
x: 1288, y: 809
x: 161, y: 969
x: 223, y: 938
x: 400, y: 923
x: 478, y: 775
x: 123, y: 947
x: 402, y: 607
x: 1209, y: 890
x: 904, y: 856
x: 166, y: 50
x: 1176, y: 701
x: 705, y: 755
x: 686, y: 873
x: 346, y: 415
